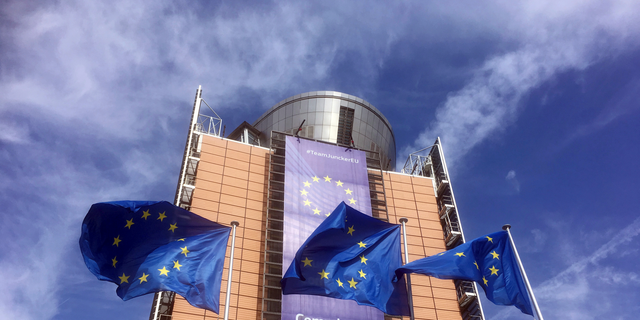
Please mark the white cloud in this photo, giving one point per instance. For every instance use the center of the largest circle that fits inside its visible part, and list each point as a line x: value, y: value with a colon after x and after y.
x: 570, y: 293
x: 553, y: 37
x: 513, y: 181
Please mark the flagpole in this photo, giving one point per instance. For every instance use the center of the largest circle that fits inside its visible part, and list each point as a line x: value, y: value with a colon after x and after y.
x: 507, y: 228
x: 233, y: 244
x: 406, y: 260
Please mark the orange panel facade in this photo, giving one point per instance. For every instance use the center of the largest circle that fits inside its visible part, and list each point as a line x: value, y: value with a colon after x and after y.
x: 231, y: 184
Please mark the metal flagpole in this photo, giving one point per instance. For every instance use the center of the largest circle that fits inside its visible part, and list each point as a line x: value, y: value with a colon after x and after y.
x: 406, y: 260
x: 506, y: 227
x: 233, y: 245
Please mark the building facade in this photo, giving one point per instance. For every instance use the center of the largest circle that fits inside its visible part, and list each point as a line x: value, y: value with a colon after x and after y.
x: 241, y: 178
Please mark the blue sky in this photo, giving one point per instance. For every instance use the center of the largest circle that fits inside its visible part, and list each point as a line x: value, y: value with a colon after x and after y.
x: 536, y: 103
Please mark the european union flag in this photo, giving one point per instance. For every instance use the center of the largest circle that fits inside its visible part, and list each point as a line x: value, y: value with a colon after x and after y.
x: 146, y: 246
x: 488, y: 260
x: 351, y: 256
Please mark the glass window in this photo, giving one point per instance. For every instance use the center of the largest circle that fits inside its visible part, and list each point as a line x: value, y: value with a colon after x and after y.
x: 327, y: 119
x: 304, y: 106
x: 311, y: 118
x: 288, y: 124
x: 312, y: 105
x: 325, y: 133
x: 319, y: 118
x: 288, y: 110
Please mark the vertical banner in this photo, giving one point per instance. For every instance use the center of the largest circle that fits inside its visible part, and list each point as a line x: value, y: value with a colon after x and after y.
x: 318, y: 177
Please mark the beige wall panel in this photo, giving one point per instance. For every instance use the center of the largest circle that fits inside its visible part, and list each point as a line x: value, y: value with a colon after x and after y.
x: 406, y: 204
x: 431, y: 225
x: 396, y: 177
x: 421, y: 181
x: 241, y: 175
x: 423, y: 191
x: 250, y: 278
x: 415, y: 250
x: 423, y: 302
x: 226, y: 219
x: 256, y: 195
x: 205, y: 209
x: 442, y: 283
x: 208, y: 180
x: 237, y: 164
x: 253, y: 234
x: 210, y: 150
x: 445, y: 293
x: 239, y: 146
x: 424, y: 313
x: 249, y: 313
x: 201, y: 193
x: 427, y: 206
x: 213, y: 141
x: 408, y: 213
x: 422, y: 291
x: 429, y: 215
x: 239, y: 156
x: 256, y: 205
x: 434, y: 243
x: 182, y: 306
x: 403, y: 195
x: 257, y: 168
x: 251, y: 266
x: 234, y: 201
x: 251, y: 244
x: 252, y: 255
x: 448, y: 315
x: 252, y: 221
x: 257, y: 181
x: 246, y: 302
x: 214, y: 164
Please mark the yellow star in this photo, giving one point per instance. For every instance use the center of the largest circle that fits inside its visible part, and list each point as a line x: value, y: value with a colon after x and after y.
x: 316, y: 211
x: 180, y: 239
x: 173, y: 227
x: 460, y: 254
x: 495, y: 255
x: 307, y: 184
x: 339, y: 183
x: 307, y: 203
x: 323, y: 275
x: 348, y: 191
x: 441, y: 253
x: 362, y: 274
x: 116, y: 241
x: 145, y: 214
x: 124, y: 278
x: 362, y: 244
x: 352, y: 201
x: 129, y: 223
x: 352, y: 283
x: 485, y: 281
x: 164, y: 271
x: 363, y: 259
x: 114, y: 261
x: 339, y: 283
x: 316, y: 179
x: 494, y: 270
x: 327, y: 179
x: 307, y: 262
x: 328, y: 214
x: 143, y: 278
x: 304, y: 192
x: 476, y: 265
x: 351, y: 230
x: 162, y: 216
x: 184, y: 250
x: 490, y: 239
x: 177, y: 265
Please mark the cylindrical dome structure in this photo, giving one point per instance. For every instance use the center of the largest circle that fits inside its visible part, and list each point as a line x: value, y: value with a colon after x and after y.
x: 332, y: 117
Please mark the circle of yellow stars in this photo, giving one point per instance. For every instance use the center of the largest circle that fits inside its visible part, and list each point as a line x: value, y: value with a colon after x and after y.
x: 304, y: 193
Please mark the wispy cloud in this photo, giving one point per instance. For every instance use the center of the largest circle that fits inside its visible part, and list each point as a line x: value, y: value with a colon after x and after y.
x: 553, y: 37
x: 512, y: 180
x: 570, y: 293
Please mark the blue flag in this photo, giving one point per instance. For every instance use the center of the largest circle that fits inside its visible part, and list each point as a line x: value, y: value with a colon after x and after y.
x: 488, y: 260
x: 147, y: 246
x: 351, y: 256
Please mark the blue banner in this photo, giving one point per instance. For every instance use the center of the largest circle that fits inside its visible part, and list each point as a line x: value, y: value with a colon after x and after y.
x: 318, y: 177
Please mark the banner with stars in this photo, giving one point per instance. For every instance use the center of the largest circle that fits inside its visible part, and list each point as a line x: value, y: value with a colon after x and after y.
x: 488, y: 260
x: 148, y: 246
x: 318, y: 177
x: 351, y: 256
